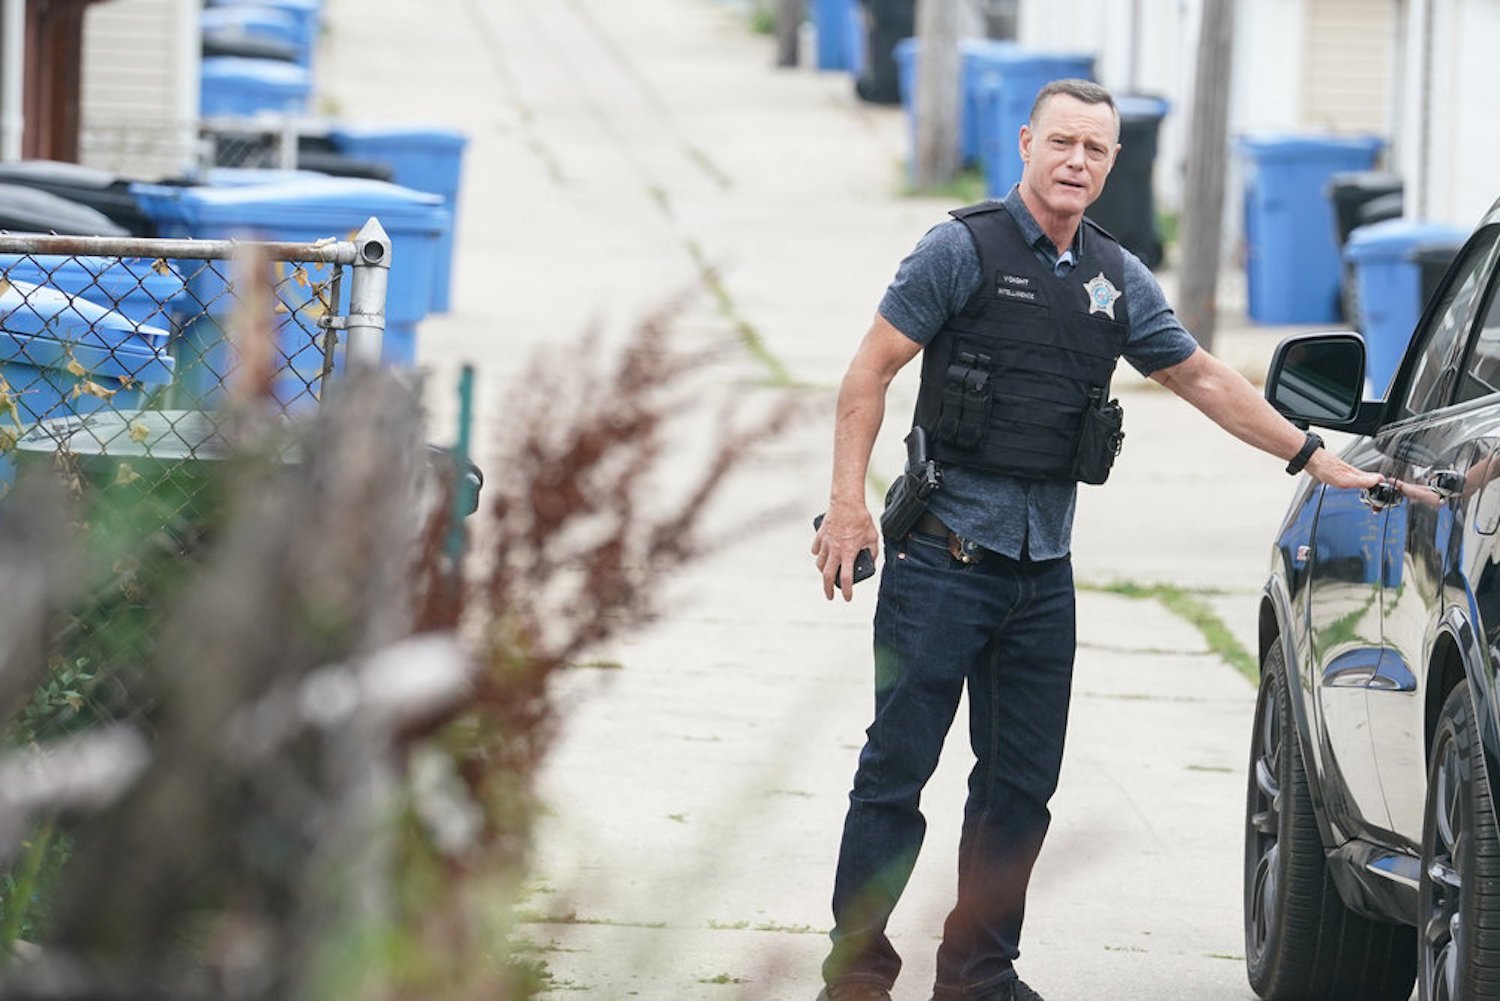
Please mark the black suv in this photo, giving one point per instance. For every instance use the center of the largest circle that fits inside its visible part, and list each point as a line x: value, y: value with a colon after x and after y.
x: 1372, y: 852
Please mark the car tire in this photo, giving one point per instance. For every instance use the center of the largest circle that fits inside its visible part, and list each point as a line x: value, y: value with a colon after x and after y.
x: 1460, y: 891
x: 1292, y: 908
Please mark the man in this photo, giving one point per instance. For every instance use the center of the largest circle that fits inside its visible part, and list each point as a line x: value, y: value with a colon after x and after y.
x: 1021, y: 308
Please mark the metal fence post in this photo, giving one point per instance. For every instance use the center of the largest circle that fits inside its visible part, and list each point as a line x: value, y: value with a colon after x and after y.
x: 371, y: 276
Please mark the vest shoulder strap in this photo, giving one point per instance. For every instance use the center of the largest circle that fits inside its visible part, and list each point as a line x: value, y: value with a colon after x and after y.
x: 978, y: 208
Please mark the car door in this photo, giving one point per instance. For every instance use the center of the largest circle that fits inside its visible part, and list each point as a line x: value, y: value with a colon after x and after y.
x: 1345, y: 642
x: 1438, y: 448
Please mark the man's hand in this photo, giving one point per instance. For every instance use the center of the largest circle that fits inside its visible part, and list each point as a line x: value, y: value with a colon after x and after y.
x: 846, y: 529
x: 1325, y: 467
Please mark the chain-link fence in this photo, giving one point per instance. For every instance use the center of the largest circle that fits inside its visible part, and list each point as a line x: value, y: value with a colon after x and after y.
x: 126, y: 366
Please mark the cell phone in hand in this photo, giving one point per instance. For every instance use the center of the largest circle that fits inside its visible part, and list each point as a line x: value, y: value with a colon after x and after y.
x: 864, y: 563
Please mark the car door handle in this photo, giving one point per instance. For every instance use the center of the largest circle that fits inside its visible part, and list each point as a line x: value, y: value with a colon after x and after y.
x: 1446, y: 483
x: 1381, y: 495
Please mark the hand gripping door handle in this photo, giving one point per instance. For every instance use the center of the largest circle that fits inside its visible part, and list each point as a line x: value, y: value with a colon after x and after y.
x: 1381, y: 495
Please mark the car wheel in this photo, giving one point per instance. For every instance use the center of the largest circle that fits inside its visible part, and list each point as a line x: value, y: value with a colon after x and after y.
x: 1292, y: 908
x: 1460, y: 892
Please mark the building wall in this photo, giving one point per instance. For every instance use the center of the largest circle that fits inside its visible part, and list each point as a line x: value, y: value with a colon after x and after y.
x: 1449, y: 112
x: 140, y: 86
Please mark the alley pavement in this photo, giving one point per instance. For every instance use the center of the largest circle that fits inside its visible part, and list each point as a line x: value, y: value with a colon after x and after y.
x: 621, y: 154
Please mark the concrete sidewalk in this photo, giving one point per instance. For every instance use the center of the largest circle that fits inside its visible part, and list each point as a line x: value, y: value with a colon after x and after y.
x: 697, y: 793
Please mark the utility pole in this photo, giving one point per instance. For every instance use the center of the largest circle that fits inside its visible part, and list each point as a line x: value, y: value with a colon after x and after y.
x: 788, y: 22
x: 1207, y: 162
x: 936, y: 157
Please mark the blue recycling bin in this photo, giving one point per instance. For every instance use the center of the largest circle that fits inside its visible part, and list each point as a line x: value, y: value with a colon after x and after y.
x: 254, y: 21
x: 1388, y: 282
x: 978, y: 56
x: 140, y: 290
x: 1007, y: 84
x: 62, y: 355
x: 1292, y: 251
x: 833, y: 20
x: 236, y: 87
x: 305, y: 15
x: 422, y: 158
x: 298, y: 210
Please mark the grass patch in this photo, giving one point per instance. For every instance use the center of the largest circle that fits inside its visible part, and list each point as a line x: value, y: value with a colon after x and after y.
x: 599, y: 665
x: 967, y: 187
x: 1190, y: 605
x: 777, y: 371
x: 572, y: 918
x: 723, y: 978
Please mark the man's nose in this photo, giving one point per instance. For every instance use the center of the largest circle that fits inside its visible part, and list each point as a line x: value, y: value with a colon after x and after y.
x: 1076, y: 157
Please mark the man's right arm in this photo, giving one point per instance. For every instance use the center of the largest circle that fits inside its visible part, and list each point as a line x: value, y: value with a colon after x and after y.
x: 848, y: 526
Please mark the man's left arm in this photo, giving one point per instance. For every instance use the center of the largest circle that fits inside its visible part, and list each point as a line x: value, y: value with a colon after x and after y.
x: 1228, y: 399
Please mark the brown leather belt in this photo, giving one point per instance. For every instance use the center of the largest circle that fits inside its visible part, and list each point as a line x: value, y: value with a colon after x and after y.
x: 959, y: 548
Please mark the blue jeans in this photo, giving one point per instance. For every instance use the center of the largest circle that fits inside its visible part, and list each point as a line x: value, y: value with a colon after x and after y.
x: 1005, y: 628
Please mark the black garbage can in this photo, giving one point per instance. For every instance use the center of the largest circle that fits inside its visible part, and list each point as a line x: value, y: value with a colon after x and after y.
x: 98, y: 190
x: 231, y: 42
x: 1127, y: 206
x: 32, y: 210
x: 1367, y: 208
x: 1351, y: 190
x: 885, y: 23
x: 1432, y: 260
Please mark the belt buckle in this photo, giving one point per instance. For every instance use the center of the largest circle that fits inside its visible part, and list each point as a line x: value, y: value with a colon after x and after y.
x: 963, y: 550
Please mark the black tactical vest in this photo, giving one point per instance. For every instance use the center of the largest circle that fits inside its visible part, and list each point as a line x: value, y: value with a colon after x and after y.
x: 1006, y: 380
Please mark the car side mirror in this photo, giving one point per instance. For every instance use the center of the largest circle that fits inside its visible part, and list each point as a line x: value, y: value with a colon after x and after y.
x: 1318, y: 378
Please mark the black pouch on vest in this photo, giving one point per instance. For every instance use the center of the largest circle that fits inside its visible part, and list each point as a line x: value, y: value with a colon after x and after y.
x: 1100, y: 436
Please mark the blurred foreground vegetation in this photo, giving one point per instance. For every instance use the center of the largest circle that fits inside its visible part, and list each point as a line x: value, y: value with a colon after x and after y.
x: 269, y: 733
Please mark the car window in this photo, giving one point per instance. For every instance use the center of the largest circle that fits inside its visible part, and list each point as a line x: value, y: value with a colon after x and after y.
x: 1433, y: 368
x: 1481, y: 375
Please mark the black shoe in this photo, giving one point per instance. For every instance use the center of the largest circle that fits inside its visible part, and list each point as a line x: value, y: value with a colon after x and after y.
x: 1012, y: 990
x: 854, y: 992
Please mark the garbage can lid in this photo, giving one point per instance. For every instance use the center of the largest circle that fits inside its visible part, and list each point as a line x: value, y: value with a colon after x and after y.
x: 37, y: 310
x: 114, y: 278
x: 1296, y: 146
x: 1352, y: 183
x: 25, y: 209
x: 414, y: 136
x: 334, y: 204
x: 169, y: 435
x: 236, y: 41
x: 44, y: 328
x: 238, y: 177
x: 1394, y: 239
x: 56, y: 173
x: 1142, y: 106
x: 265, y: 72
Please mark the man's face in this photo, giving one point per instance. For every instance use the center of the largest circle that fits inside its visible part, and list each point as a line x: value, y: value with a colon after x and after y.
x: 1068, y: 152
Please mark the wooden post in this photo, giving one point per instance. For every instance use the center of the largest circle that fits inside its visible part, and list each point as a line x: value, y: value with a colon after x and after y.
x: 936, y: 160
x: 1207, y: 162
x: 788, y: 22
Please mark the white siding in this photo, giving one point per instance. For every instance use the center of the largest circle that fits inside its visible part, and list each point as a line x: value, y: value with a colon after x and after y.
x: 140, y: 86
x: 1463, y: 142
x: 1346, y: 67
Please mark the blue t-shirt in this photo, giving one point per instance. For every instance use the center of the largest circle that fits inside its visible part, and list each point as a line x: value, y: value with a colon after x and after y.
x: 1013, y: 516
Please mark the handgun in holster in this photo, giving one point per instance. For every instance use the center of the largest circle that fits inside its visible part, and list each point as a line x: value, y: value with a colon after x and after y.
x: 908, y: 496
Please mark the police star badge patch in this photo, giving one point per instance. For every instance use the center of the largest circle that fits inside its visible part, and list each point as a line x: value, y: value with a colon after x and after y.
x: 1102, y: 295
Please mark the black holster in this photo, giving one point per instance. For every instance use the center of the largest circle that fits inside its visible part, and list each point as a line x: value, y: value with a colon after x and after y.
x: 907, y: 498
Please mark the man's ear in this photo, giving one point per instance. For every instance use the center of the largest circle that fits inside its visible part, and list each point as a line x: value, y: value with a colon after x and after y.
x: 1025, y: 143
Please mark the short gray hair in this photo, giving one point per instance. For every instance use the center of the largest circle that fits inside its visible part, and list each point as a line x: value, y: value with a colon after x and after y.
x: 1086, y: 91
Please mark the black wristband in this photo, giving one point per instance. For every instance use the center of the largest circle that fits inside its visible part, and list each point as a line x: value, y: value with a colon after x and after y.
x: 1311, y: 445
